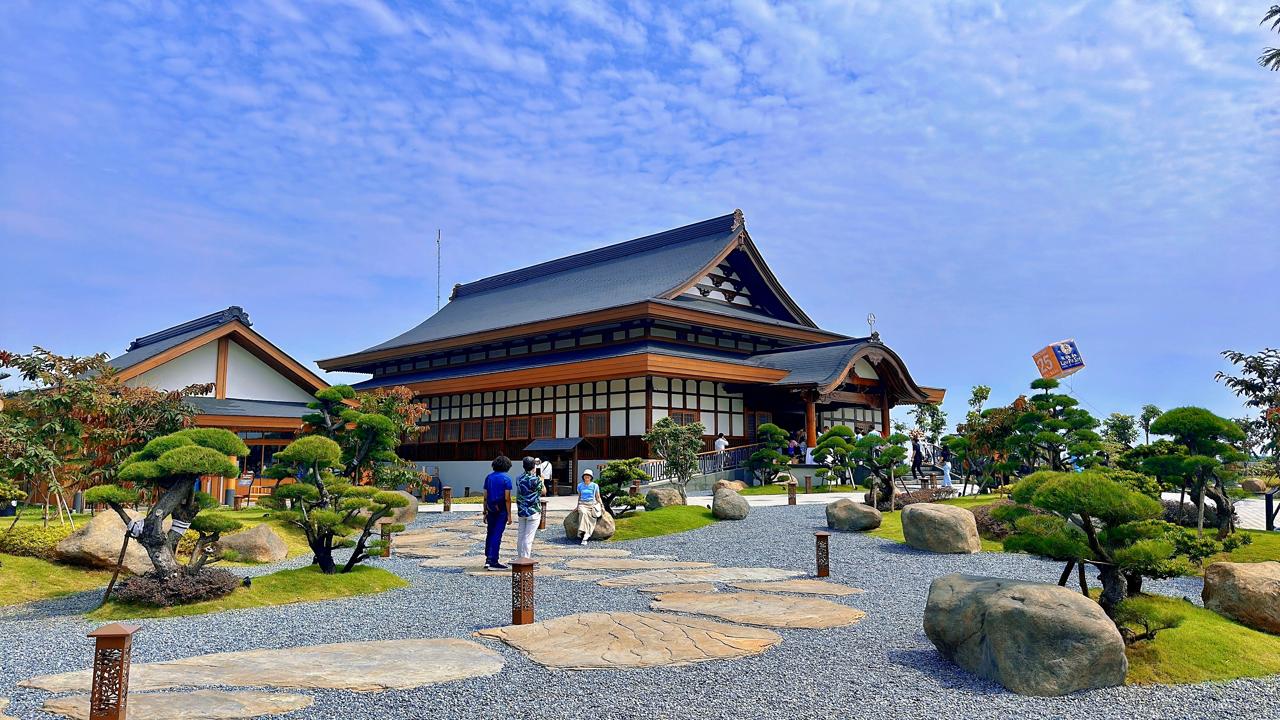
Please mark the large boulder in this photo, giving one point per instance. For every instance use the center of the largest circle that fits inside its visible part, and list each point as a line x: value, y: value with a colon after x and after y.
x: 850, y: 516
x: 1032, y: 638
x: 1253, y: 485
x: 257, y: 544
x: 97, y: 544
x: 1248, y: 593
x: 661, y: 497
x: 605, y: 527
x: 940, y: 528
x: 727, y: 504
x: 733, y: 485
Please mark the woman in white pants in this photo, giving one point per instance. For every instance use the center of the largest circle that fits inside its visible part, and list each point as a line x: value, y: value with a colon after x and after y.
x: 529, y: 489
x: 589, y: 508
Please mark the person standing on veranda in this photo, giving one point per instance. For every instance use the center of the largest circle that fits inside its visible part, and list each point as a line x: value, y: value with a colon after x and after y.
x: 589, y: 508
x: 529, y: 489
x: 496, y: 511
x: 721, y: 445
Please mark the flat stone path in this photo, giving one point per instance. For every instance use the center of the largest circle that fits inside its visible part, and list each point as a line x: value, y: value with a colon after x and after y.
x: 631, y: 640
x: 631, y: 564
x: 4, y: 703
x: 197, y: 705
x: 680, y: 587
x: 799, y: 586
x: 697, y: 575
x: 762, y: 609
x: 358, y: 666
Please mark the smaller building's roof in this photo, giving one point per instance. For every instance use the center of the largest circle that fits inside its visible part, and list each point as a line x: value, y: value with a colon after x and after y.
x: 249, y: 408
x: 149, y: 346
x: 554, y: 444
x: 819, y: 364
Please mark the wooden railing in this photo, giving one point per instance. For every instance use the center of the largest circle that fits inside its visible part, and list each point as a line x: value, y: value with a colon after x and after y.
x: 712, y: 461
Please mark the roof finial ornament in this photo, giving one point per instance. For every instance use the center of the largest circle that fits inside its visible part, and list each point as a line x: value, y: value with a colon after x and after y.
x: 871, y: 323
x: 738, y: 218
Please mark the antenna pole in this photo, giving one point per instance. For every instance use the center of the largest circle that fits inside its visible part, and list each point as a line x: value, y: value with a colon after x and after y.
x: 437, y: 269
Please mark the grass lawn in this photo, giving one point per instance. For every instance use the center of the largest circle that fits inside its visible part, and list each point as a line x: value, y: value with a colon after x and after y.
x: 24, y: 579
x: 281, y: 588
x: 250, y: 517
x: 1205, y: 647
x: 1265, y: 546
x: 781, y: 489
x: 663, y: 521
x: 891, y: 524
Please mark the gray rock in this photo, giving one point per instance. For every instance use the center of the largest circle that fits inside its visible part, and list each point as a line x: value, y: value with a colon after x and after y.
x: 733, y: 485
x: 661, y: 497
x: 257, y: 544
x: 728, y: 504
x: 940, y: 528
x: 1032, y: 638
x: 97, y: 544
x: 850, y: 516
x: 1253, y: 485
x: 605, y: 527
x: 1248, y: 593
x: 401, y: 515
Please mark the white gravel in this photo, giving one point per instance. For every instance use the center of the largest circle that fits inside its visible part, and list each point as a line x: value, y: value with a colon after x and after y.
x: 883, y: 667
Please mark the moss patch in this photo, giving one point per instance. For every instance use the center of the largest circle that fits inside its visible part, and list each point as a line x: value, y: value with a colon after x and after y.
x: 25, y: 579
x: 281, y: 588
x: 1205, y: 647
x: 1265, y: 546
x: 663, y: 521
x: 891, y: 524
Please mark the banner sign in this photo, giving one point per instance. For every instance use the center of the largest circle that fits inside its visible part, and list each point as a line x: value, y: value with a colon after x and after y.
x: 1059, y: 359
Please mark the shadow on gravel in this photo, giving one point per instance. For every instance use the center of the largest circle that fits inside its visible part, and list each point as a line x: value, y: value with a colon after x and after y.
x: 950, y: 676
x: 73, y: 604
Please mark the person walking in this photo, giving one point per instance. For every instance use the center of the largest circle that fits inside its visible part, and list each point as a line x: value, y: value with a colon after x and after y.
x: 589, y: 509
x: 721, y: 445
x: 496, y: 511
x: 946, y: 466
x: 917, y: 458
x: 529, y: 489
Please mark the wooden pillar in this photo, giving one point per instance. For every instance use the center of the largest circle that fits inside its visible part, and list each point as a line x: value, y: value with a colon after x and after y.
x: 220, y: 369
x: 884, y: 414
x: 810, y: 421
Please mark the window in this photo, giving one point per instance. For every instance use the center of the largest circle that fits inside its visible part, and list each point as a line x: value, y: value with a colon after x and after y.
x: 431, y: 434
x: 595, y: 424
x: 755, y: 420
x: 517, y: 428
x: 495, y: 429
x: 544, y: 426
x: 450, y: 432
x: 683, y: 417
x: 471, y: 431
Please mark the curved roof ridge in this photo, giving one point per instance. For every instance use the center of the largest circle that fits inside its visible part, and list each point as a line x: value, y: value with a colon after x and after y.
x: 713, y: 226
x: 815, y: 346
x: 221, y: 317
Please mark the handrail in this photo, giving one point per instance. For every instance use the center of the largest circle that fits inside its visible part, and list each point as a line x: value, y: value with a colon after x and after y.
x: 711, y: 461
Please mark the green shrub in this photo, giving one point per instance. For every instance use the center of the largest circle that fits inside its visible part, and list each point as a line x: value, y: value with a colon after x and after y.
x: 1140, y: 621
x: 31, y: 541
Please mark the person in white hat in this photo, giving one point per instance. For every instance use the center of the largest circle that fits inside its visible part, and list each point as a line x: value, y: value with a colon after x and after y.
x: 589, y: 507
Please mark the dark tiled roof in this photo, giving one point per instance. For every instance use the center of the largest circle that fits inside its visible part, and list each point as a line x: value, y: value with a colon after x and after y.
x: 816, y: 364
x: 253, y: 408
x: 151, y: 345
x: 622, y: 274
x: 554, y: 444
x: 724, y: 308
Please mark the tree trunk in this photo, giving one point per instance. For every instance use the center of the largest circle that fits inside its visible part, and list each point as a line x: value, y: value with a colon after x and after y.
x: 1084, y: 581
x: 1114, y: 588
x: 153, y: 538
x: 1226, y: 510
x: 1066, y: 573
x: 1133, y: 584
x: 323, y: 555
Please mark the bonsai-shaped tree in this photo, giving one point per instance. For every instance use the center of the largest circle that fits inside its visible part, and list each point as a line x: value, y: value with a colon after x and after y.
x: 767, y: 463
x: 172, y: 465
x: 364, y: 438
x: 616, y: 478
x: 834, y: 451
x: 883, y: 457
x: 678, y: 445
x: 1095, y: 520
x: 328, y: 507
x: 1052, y: 429
x: 1205, y: 442
x: 1145, y: 418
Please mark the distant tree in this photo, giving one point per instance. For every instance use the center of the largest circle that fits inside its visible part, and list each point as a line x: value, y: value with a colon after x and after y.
x: 1259, y: 384
x: 1052, y: 429
x: 1120, y: 429
x: 769, y: 461
x: 978, y: 397
x: 834, y: 452
x: 1149, y: 414
x: 329, y: 508
x: 1206, y: 442
x: 173, y: 464
x: 616, y: 479
x: 1270, y: 57
x: 678, y: 445
x: 931, y: 419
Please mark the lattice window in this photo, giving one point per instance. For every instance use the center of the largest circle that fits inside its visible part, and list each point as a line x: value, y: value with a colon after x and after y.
x: 683, y: 417
x: 595, y: 424
x: 544, y: 426
x: 495, y: 429
x: 472, y: 430
x: 450, y: 432
x: 517, y: 428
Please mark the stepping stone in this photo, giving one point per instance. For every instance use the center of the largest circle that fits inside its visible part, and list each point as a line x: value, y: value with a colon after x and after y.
x: 463, y: 561
x: 800, y: 586
x: 359, y: 666
x: 699, y: 575
x: 656, y: 557
x: 538, y: 571
x: 578, y: 551
x: 434, y: 551
x: 584, y: 577
x: 4, y: 703
x: 761, y: 609
x: 631, y: 640
x: 680, y: 587
x: 631, y: 564
x: 198, y: 705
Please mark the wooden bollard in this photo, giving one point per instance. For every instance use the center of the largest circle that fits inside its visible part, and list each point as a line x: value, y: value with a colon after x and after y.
x: 386, y: 540
x: 822, y: 550
x: 446, y: 498
x: 109, y: 697
x: 808, y: 484
x: 542, y: 517
x: 791, y: 493
x: 522, y: 591
x: 466, y: 491
x: 635, y: 487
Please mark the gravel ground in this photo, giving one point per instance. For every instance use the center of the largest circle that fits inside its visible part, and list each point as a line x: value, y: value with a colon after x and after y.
x: 883, y: 667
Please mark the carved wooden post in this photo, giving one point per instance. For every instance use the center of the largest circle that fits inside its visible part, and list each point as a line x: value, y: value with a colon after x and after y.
x: 791, y: 492
x: 109, y: 697
x: 386, y: 540
x: 522, y: 591
x: 446, y: 498
x: 808, y: 484
x: 823, y: 552
x: 635, y: 487
x: 466, y: 491
x: 542, y: 517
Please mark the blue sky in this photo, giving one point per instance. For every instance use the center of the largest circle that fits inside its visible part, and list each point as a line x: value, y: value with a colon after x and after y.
x: 985, y: 177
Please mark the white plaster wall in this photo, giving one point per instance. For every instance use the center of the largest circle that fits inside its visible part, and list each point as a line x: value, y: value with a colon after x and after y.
x: 863, y: 369
x: 248, y: 378
x: 195, y: 367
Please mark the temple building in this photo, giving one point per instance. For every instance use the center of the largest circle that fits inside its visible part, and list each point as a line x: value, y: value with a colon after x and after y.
x: 591, y: 349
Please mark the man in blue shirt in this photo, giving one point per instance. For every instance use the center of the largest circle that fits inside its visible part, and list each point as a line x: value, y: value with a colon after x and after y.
x: 497, y: 511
